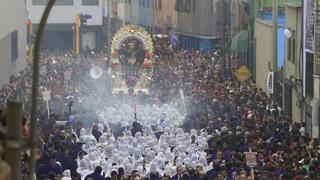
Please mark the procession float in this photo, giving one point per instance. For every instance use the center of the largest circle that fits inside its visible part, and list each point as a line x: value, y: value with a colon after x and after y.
x: 131, y: 63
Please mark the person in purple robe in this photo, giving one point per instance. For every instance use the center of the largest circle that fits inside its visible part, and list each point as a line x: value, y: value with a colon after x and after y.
x: 96, y: 175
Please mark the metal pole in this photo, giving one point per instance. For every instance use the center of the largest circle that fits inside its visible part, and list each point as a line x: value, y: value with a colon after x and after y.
x: 229, y: 35
x: 109, y: 28
x: 77, y: 34
x: 13, y: 140
x: 275, y: 47
x: 35, y: 89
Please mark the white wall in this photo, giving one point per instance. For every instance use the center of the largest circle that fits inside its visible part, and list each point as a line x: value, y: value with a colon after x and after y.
x: 121, y: 11
x: 67, y: 14
x: 12, y: 17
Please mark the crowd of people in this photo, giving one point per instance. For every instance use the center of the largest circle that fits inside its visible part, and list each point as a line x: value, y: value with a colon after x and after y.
x: 206, y: 139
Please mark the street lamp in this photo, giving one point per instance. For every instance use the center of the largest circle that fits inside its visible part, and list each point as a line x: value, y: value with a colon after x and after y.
x: 287, y: 33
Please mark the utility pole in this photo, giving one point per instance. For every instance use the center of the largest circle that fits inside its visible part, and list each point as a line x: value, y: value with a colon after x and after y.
x: 223, y: 40
x: 275, y: 48
x: 13, y: 139
x: 109, y: 29
x: 227, y: 13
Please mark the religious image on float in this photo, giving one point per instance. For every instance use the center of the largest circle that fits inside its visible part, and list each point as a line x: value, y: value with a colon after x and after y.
x: 132, y: 60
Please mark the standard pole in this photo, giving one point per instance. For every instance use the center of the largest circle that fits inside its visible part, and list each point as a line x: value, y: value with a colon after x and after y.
x: 48, y: 109
x: 275, y: 47
x: 252, y: 173
x: 30, y: 43
x: 77, y: 34
x: 13, y: 140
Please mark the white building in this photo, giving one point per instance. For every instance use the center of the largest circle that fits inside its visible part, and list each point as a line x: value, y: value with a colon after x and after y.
x: 60, y: 28
x: 12, y: 38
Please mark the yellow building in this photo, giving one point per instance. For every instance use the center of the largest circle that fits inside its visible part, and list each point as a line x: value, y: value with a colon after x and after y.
x: 264, y: 51
x: 292, y: 64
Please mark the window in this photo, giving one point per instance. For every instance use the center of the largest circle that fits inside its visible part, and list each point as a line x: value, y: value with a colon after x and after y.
x: 159, y: 4
x: 234, y: 7
x: 152, y: 3
x: 148, y: 3
x: 214, y: 6
x: 188, y: 6
x: 57, y: 3
x: 14, y: 46
x: 90, y: 2
x: 194, y: 5
x: 179, y: 5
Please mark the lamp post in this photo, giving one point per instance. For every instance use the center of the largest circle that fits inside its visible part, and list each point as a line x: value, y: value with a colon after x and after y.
x: 287, y: 34
x: 275, y: 47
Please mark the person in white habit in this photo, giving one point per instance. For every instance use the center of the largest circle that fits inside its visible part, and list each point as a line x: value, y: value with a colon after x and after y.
x: 84, y: 169
x: 143, y: 152
x: 66, y: 175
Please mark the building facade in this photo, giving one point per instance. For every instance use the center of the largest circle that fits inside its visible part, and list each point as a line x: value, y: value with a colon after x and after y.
x: 166, y: 16
x: 156, y: 16
x: 316, y: 77
x: 292, y: 64
x: 60, y: 28
x: 194, y: 32
x: 12, y: 39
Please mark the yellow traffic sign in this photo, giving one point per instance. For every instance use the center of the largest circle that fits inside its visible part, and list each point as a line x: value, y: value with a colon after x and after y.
x: 243, y: 73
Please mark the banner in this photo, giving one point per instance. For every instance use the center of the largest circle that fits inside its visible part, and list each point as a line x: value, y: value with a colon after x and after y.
x: 308, y: 35
x: 317, y: 41
x: 270, y: 83
x: 309, y: 8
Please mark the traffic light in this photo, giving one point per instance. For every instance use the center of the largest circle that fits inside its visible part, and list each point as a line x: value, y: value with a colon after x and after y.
x: 84, y: 18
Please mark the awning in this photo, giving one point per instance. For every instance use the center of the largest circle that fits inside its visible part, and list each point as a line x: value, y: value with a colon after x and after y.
x: 240, y: 42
